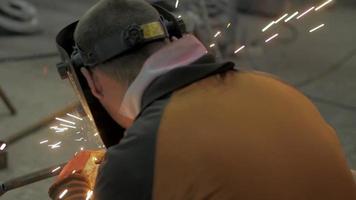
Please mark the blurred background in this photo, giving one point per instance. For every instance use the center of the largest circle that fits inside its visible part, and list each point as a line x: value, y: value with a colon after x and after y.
x: 314, y: 50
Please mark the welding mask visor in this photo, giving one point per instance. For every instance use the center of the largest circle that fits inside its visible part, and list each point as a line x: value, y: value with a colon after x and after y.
x: 92, y: 107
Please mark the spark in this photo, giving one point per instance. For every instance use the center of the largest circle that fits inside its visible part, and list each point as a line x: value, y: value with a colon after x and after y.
x: 291, y: 17
x: 3, y: 146
x: 316, y: 28
x: 228, y: 25
x: 56, y: 169
x: 44, y: 141
x: 55, y: 146
x: 179, y: 16
x: 80, y: 139
x: 177, y: 4
x: 73, y: 172
x: 75, y: 117
x: 61, y: 131
x: 274, y: 22
x: 322, y: 5
x: 58, y: 129
x: 68, y: 126
x: 89, y: 195
x: 217, y: 34
x: 306, y: 12
x: 281, y: 18
x: 66, y: 121
x: 239, y: 49
x: 63, y: 193
x: 212, y: 45
x: 268, y: 26
x: 272, y: 37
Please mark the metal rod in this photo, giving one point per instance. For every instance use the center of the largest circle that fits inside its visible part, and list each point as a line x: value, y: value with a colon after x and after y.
x: 44, y: 122
x: 7, y: 102
x: 29, y: 57
x: 29, y: 179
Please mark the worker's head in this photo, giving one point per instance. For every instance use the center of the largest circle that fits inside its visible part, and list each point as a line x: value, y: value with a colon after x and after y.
x: 104, y: 52
x: 109, y: 81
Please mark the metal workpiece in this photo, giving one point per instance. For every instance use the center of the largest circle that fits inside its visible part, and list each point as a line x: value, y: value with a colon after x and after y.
x: 18, y: 17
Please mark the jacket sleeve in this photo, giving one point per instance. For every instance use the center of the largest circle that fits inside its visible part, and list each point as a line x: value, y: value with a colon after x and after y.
x: 127, y: 170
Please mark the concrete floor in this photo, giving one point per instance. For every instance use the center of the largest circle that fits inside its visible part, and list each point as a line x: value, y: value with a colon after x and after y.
x: 321, y: 64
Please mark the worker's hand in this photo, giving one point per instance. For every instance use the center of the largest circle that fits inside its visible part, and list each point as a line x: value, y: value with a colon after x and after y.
x: 78, y: 177
x: 85, y: 163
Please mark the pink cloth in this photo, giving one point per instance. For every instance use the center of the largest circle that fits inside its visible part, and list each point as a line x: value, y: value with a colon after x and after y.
x: 177, y: 54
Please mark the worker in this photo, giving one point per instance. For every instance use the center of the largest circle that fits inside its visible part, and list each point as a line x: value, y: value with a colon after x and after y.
x: 179, y: 125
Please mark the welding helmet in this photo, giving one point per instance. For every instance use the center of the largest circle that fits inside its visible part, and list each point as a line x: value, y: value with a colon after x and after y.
x: 123, y: 41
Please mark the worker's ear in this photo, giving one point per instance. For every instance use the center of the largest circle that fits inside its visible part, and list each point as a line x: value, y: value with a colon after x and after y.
x: 93, y: 82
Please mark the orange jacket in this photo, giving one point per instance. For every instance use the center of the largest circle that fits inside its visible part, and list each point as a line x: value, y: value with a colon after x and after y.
x: 210, y: 132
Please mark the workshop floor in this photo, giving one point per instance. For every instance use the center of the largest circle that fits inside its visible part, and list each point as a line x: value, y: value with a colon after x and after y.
x: 322, y: 64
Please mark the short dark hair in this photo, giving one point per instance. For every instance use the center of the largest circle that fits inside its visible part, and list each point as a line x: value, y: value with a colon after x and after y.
x: 125, y: 68
x: 103, y: 20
